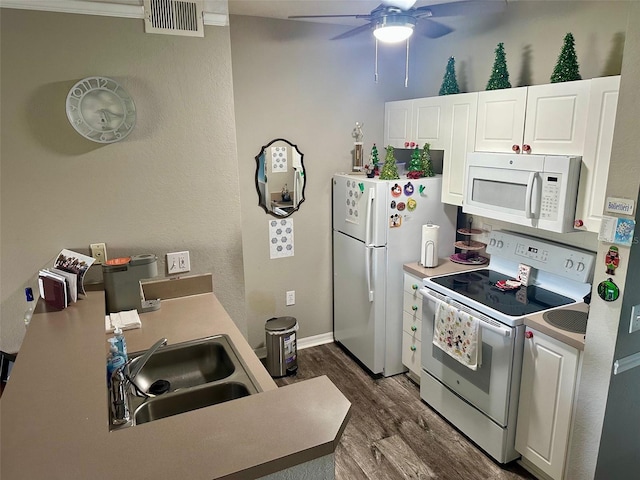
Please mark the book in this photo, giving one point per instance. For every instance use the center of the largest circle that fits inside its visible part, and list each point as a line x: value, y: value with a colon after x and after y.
x: 53, y: 289
x: 72, y: 283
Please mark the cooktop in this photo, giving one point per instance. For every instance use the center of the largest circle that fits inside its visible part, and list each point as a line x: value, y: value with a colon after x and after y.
x: 480, y: 285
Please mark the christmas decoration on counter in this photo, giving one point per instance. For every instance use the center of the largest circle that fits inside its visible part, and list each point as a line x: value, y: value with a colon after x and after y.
x: 566, y: 69
x: 499, y: 75
x: 425, y: 160
x: 449, y: 82
x: 389, y: 168
x: 415, y: 165
x: 370, y: 170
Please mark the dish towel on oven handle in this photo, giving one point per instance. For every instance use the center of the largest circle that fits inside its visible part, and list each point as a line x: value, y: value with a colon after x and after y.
x: 458, y: 334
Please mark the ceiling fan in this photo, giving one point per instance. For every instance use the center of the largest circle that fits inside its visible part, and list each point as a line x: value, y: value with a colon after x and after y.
x: 395, y: 20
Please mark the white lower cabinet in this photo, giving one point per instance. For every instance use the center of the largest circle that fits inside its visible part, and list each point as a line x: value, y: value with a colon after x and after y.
x: 549, y: 374
x: 411, y: 325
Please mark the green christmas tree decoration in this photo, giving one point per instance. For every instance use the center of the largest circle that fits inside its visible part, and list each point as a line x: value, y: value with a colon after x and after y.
x: 426, y: 166
x: 415, y: 165
x: 389, y: 169
x: 566, y: 69
x: 449, y: 82
x: 375, y: 161
x: 499, y: 75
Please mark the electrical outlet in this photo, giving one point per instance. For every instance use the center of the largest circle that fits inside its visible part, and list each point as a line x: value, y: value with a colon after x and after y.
x: 178, y: 262
x: 99, y: 252
x: 291, y: 297
x: 635, y: 319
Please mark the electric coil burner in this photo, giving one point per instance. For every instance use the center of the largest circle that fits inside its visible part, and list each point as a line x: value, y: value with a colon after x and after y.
x: 482, y: 403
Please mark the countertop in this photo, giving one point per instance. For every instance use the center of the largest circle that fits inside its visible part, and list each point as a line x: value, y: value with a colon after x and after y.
x: 535, y: 321
x: 54, y: 410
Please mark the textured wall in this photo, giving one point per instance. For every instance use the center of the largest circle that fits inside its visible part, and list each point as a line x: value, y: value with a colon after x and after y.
x: 171, y: 185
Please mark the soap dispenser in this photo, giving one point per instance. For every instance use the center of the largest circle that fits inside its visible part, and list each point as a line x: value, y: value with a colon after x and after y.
x: 120, y: 343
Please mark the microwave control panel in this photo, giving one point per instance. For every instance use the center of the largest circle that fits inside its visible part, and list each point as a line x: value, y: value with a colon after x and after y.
x: 550, y: 197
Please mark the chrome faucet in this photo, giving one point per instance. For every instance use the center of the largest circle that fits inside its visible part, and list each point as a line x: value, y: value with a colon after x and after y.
x: 120, y: 381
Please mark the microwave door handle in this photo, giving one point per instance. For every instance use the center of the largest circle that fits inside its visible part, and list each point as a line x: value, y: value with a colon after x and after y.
x: 529, y: 194
x: 368, y: 250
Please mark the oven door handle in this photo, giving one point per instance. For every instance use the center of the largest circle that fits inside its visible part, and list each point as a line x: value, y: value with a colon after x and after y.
x: 485, y: 322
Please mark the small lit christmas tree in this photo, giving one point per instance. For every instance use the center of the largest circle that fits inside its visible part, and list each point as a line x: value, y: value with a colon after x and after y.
x: 566, y: 69
x: 389, y: 169
x: 426, y: 166
x: 415, y: 165
x: 499, y: 75
x: 449, y: 82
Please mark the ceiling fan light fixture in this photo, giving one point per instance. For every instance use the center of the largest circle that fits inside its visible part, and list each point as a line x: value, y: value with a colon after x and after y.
x: 394, y: 29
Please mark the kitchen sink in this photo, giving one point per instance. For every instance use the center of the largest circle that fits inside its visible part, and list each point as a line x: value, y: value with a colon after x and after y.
x: 166, y: 406
x: 183, y: 377
x: 187, y: 364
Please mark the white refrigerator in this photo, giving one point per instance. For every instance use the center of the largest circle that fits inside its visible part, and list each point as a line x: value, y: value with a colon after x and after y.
x: 377, y: 227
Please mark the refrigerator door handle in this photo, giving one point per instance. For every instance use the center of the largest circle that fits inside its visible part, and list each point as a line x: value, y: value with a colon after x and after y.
x: 368, y: 243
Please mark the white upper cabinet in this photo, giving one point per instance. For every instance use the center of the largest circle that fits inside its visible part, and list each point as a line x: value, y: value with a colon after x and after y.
x: 542, y: 119
x: 460, y: 121
x: 398, y: 123
x: 597, y: 152
x: 430, y: 122
x: 500, y: 121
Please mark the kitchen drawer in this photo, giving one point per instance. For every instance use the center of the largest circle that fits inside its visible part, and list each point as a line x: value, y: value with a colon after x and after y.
x: 412, y: 305
x: 411, y: 325
x: 412, y: 285
x: 411, y: 353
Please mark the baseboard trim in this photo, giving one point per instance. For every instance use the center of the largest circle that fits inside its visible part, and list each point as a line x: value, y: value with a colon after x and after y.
x: 303, y: 343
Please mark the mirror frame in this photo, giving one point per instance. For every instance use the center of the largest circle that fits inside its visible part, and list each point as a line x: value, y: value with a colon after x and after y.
x: 262, y: 202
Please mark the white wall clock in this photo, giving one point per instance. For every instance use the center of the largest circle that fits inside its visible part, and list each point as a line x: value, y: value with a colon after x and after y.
x: 101, y: 110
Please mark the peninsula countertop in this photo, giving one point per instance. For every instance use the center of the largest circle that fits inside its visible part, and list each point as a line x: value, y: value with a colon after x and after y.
x: 54, y: 420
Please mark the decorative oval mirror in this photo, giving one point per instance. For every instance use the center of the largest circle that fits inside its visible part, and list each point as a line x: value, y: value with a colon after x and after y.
x: 280, y: 178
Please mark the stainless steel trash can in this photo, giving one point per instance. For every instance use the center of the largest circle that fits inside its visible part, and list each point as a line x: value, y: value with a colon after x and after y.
x: 282, y: 352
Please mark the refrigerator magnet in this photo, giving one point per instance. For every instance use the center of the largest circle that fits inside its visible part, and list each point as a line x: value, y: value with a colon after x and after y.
x: 395, y: 221
x: 411, y: 204
x: 408, y: 189
x: 608, y: 290
x: 396, y: 190
x: 612, y: 260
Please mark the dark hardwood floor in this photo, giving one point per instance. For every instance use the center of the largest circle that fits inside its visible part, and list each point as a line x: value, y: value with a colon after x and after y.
x: 392, y: 434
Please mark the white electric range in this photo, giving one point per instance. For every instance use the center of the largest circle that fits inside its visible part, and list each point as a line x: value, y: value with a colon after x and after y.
x: 483, y: 403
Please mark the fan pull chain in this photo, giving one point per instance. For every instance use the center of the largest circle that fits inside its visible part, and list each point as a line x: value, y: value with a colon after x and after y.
x: 375, y: 74
x: 406, y: 68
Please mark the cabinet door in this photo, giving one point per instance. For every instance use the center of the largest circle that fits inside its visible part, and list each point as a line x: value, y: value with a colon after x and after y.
x: 556, y: 118
x: 597, y: 152
x: 549, y: 373
x: 461, y: 138
x: 397, y: 123
x: 500, y: 123
x: 430, y: 122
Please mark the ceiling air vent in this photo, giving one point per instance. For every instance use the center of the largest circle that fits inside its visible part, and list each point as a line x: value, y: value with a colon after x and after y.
x: 174, y: 17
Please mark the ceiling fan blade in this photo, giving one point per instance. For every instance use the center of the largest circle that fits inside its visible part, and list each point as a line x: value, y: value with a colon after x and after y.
x: 431, y: 28
x: 365, y: 16
x: 465, y: 7
x: 353, y: 31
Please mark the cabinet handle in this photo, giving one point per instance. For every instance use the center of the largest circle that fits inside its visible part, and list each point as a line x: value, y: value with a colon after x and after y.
x: 414, y: 307
x: 516, y: 148
x: 526, y: 148
x: 414, y: 286
x: 528, y: 334
x: 413, y: 348
x: 413, y: 328
x: 578, y: 223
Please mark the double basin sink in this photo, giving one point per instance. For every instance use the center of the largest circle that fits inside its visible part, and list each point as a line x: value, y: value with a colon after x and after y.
x: 184, y: 377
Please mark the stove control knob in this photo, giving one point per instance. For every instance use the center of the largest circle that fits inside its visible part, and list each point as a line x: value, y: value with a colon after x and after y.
x: 528, y: 334
x: 568, y: 263
x: 492, y: 242
x: 500, y: 244
x: 580, y: 266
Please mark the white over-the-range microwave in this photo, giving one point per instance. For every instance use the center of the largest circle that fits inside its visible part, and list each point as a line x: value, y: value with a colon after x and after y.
x: 538, y: 191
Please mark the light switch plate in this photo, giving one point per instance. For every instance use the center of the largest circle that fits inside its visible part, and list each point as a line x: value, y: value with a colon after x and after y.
x: 635, y: 319
x: 178, y: 262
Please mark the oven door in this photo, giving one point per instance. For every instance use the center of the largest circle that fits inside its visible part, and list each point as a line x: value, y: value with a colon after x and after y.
x: 489, y: 387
